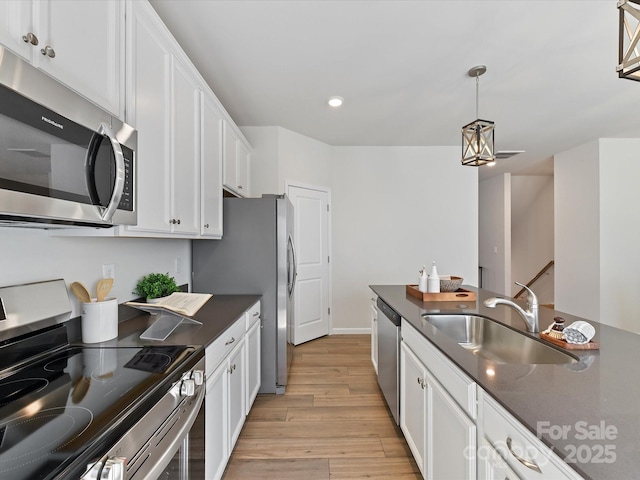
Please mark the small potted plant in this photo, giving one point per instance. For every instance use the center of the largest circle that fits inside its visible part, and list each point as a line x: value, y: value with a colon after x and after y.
x: 155, y: 286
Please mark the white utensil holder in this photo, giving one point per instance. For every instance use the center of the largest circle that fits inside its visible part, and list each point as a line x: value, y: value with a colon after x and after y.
x: 99, y: 320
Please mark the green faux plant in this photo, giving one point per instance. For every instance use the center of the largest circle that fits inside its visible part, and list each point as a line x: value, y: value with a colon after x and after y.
x: 156, y: 285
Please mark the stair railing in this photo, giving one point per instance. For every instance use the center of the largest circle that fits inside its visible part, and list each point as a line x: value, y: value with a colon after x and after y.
x: 534, y: 279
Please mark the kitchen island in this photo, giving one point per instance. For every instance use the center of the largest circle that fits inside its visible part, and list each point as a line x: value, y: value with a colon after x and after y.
x: 587, y: 412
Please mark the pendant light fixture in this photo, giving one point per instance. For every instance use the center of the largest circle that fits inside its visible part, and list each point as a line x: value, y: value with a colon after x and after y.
x: 628, y: 37
x: 477, y: 136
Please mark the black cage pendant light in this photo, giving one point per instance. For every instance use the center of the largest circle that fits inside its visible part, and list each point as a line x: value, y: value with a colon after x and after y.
x: 629, y: 35
x: 477, y: 136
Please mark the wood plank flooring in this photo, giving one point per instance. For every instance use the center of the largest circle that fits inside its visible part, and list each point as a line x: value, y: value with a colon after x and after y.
x: 332, y: 422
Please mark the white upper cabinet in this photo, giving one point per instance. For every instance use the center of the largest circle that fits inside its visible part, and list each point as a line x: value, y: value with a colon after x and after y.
x: 237, y: 155
x: 211, y: 168
x: 184, y: 132
x: 185, y: 158
x: 81, y: 44
x: 165, y: 105
x: 149, y: 64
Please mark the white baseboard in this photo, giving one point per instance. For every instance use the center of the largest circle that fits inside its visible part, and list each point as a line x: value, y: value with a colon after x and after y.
x: 351, y: 331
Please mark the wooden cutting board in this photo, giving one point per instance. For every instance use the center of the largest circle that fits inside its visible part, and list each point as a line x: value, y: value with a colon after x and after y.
x: 570, y: 346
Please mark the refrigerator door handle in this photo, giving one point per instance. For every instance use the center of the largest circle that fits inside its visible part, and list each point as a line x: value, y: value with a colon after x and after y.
x: 291, y: 279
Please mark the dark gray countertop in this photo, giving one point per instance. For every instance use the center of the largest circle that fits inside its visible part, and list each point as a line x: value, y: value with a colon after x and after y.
x: 599, y: 394
x: 216, y: 316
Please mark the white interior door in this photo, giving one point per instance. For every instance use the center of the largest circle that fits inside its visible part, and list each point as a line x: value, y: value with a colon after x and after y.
x: 312, y: 290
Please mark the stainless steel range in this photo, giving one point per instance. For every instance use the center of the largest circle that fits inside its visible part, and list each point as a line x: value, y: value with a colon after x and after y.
x: 87, y: 412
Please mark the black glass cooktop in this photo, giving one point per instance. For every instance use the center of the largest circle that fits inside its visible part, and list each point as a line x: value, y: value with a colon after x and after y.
x: 55, y: 409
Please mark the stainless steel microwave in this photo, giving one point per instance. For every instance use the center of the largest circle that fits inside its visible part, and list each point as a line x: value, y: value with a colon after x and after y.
x: 63, y: 160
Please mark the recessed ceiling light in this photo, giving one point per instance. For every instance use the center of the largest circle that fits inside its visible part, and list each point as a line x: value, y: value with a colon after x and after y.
x: 335, y: 101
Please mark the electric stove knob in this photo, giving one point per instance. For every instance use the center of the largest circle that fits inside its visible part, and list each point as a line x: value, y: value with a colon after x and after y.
x: 198, y: 377
x: 114, y: 469
x: 188, y: 388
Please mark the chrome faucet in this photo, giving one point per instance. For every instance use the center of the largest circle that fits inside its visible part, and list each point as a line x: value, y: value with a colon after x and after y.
x: 530, y: 315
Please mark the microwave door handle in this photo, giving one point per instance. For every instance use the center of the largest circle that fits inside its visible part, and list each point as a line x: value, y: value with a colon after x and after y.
x: 118, y: 187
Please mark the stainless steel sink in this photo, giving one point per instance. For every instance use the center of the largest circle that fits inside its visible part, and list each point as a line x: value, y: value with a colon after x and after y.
x: 494, y: 341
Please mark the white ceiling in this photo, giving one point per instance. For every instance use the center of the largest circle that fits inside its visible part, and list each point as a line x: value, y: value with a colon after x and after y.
x: 401, y: 66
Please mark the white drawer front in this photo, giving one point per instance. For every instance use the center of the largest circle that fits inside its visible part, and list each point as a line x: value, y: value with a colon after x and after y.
x: 252, y: 315
x: 519, y: 446
x: 461, y: 388
x: 223, y: 345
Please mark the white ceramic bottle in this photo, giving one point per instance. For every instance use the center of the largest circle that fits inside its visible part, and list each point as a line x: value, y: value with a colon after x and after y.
x: 434, y: 280
x: 422, y: 282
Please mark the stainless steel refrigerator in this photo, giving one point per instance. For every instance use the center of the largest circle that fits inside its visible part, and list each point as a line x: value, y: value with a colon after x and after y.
x: 256, y: 255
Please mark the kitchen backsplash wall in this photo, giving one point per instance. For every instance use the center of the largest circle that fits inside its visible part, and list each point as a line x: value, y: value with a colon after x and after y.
x: 30, y: 255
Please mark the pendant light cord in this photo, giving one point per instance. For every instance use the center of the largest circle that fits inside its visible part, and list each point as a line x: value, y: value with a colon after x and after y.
x: 477, y: 87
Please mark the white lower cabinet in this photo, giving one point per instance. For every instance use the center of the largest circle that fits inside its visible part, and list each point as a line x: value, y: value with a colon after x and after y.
x: 453, y: 437
x: 230, y: 363
x: 253, y: 364
x: 455, y: 430
x: 441, y: 435
x: 374, y: 333
x: 237, y: 402
x: 216, y: 445
x: 520, y: 449
x: 415, y: 393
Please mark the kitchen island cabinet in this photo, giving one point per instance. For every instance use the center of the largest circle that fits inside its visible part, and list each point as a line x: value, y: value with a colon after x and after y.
x: 374, y: 333
x: 440, y: 430
x: 581, y: 417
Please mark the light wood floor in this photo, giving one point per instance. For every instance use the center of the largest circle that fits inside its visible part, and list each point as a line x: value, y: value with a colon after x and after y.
x: 332, y: 423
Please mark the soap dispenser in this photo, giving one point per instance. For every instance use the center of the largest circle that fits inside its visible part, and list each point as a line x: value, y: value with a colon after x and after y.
x: 422, y: 282
x: 434, y: 280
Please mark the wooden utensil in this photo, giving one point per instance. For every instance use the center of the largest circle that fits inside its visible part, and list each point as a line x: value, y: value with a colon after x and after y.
x: 103, y: 288
x: 81, y: 292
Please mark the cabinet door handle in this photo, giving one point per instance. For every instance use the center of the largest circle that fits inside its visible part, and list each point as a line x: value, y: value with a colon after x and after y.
x: 206, y: 225
x: 526, y: 463
x: 239, y: 187
x: 255, y: 314
x: 48, y: 52
x: 30, y: 38
x: 230, y: 341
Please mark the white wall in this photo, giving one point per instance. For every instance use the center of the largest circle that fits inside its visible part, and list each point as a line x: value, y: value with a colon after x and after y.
x: 577, y: 231
x: 304, y: 160
x: 394, y: 210
x: 532, y: 234
x: 280, y: 155
x: 264, y: 159
x: 619, y: 233
x: 30, y: 255
x: 494, y: 218
x: 384, y: 227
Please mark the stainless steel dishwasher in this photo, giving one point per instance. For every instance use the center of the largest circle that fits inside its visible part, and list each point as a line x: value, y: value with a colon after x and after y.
x: 389, y: 356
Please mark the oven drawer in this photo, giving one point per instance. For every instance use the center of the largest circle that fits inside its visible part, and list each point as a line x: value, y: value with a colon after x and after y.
x: 223, y: 345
